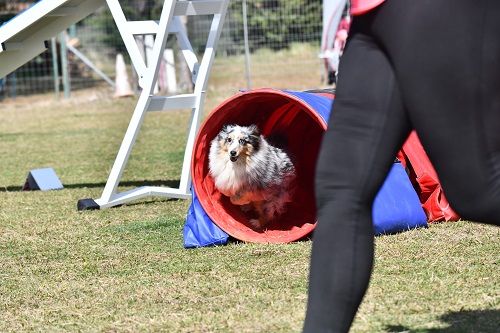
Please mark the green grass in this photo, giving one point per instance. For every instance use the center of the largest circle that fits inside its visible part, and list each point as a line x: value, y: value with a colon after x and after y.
x: 125, y: 270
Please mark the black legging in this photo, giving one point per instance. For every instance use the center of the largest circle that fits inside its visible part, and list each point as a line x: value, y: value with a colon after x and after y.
x: 428, y: 65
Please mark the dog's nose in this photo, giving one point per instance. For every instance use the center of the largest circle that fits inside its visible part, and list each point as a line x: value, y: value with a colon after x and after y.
x: 232, y: 153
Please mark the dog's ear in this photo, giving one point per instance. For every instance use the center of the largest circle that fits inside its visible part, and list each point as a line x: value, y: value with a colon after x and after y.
x: 254, y: 137
x: 227, y: 128
x: 254, y: 130
x: 223, y: 132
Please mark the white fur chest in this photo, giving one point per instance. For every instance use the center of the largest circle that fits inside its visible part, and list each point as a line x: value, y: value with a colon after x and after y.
x: 229, y: 179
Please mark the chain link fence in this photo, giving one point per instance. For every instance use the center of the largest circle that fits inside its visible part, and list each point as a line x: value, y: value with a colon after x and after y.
x: 281, y: 49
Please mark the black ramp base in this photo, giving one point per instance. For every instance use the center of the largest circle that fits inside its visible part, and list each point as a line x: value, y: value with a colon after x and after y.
x: 87, y: 204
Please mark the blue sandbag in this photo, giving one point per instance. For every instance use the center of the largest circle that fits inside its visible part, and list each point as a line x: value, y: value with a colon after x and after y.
x: 199, y: 229
x: 397, y: 207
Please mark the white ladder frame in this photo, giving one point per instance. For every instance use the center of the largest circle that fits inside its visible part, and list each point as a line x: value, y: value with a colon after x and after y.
x: 169, y: 23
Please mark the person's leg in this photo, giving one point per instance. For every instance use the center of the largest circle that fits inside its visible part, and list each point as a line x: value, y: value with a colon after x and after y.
x: 446, y: 59
x: 367, y: 127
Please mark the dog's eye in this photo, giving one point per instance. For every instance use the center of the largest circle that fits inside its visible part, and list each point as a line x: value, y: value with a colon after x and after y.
x: 229, y: 140
x: 243, y: 141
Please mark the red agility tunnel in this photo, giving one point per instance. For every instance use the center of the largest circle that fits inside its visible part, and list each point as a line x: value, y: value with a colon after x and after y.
x: 298, y: 116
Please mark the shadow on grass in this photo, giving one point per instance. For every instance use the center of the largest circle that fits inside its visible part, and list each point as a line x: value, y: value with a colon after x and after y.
x: 166, y: 183
x: 484, y: 321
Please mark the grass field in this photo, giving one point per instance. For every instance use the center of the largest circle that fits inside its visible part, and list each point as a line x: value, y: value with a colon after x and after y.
x: 125, y: 270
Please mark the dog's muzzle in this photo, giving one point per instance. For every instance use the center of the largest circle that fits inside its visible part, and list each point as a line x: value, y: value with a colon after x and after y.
x: 232, y: 156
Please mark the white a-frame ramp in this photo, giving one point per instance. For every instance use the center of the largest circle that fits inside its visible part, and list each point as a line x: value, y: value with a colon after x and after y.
x: 25, y: 36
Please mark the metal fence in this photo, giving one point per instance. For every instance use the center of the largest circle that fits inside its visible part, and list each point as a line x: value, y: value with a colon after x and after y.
x: 281, y: 48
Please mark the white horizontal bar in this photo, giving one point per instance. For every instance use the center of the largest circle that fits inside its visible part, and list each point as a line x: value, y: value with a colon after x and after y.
x: 198, y: 7
x: 160, y: 103
x: 201, y: 7
x: 147, y: 28
x: 142, y: 27
x: 142, y: 192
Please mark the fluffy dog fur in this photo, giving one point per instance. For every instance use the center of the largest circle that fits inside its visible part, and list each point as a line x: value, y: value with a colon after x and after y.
x: 251, y: 172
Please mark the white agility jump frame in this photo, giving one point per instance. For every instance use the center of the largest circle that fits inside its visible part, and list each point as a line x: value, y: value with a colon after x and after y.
x: 26, y: 35
x: 169, y: 23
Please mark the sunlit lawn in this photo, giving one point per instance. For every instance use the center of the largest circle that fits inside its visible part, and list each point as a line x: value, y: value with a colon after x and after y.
x: 125, y: 270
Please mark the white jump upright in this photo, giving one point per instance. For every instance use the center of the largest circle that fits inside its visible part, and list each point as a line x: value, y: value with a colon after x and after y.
x: 169, y: 23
